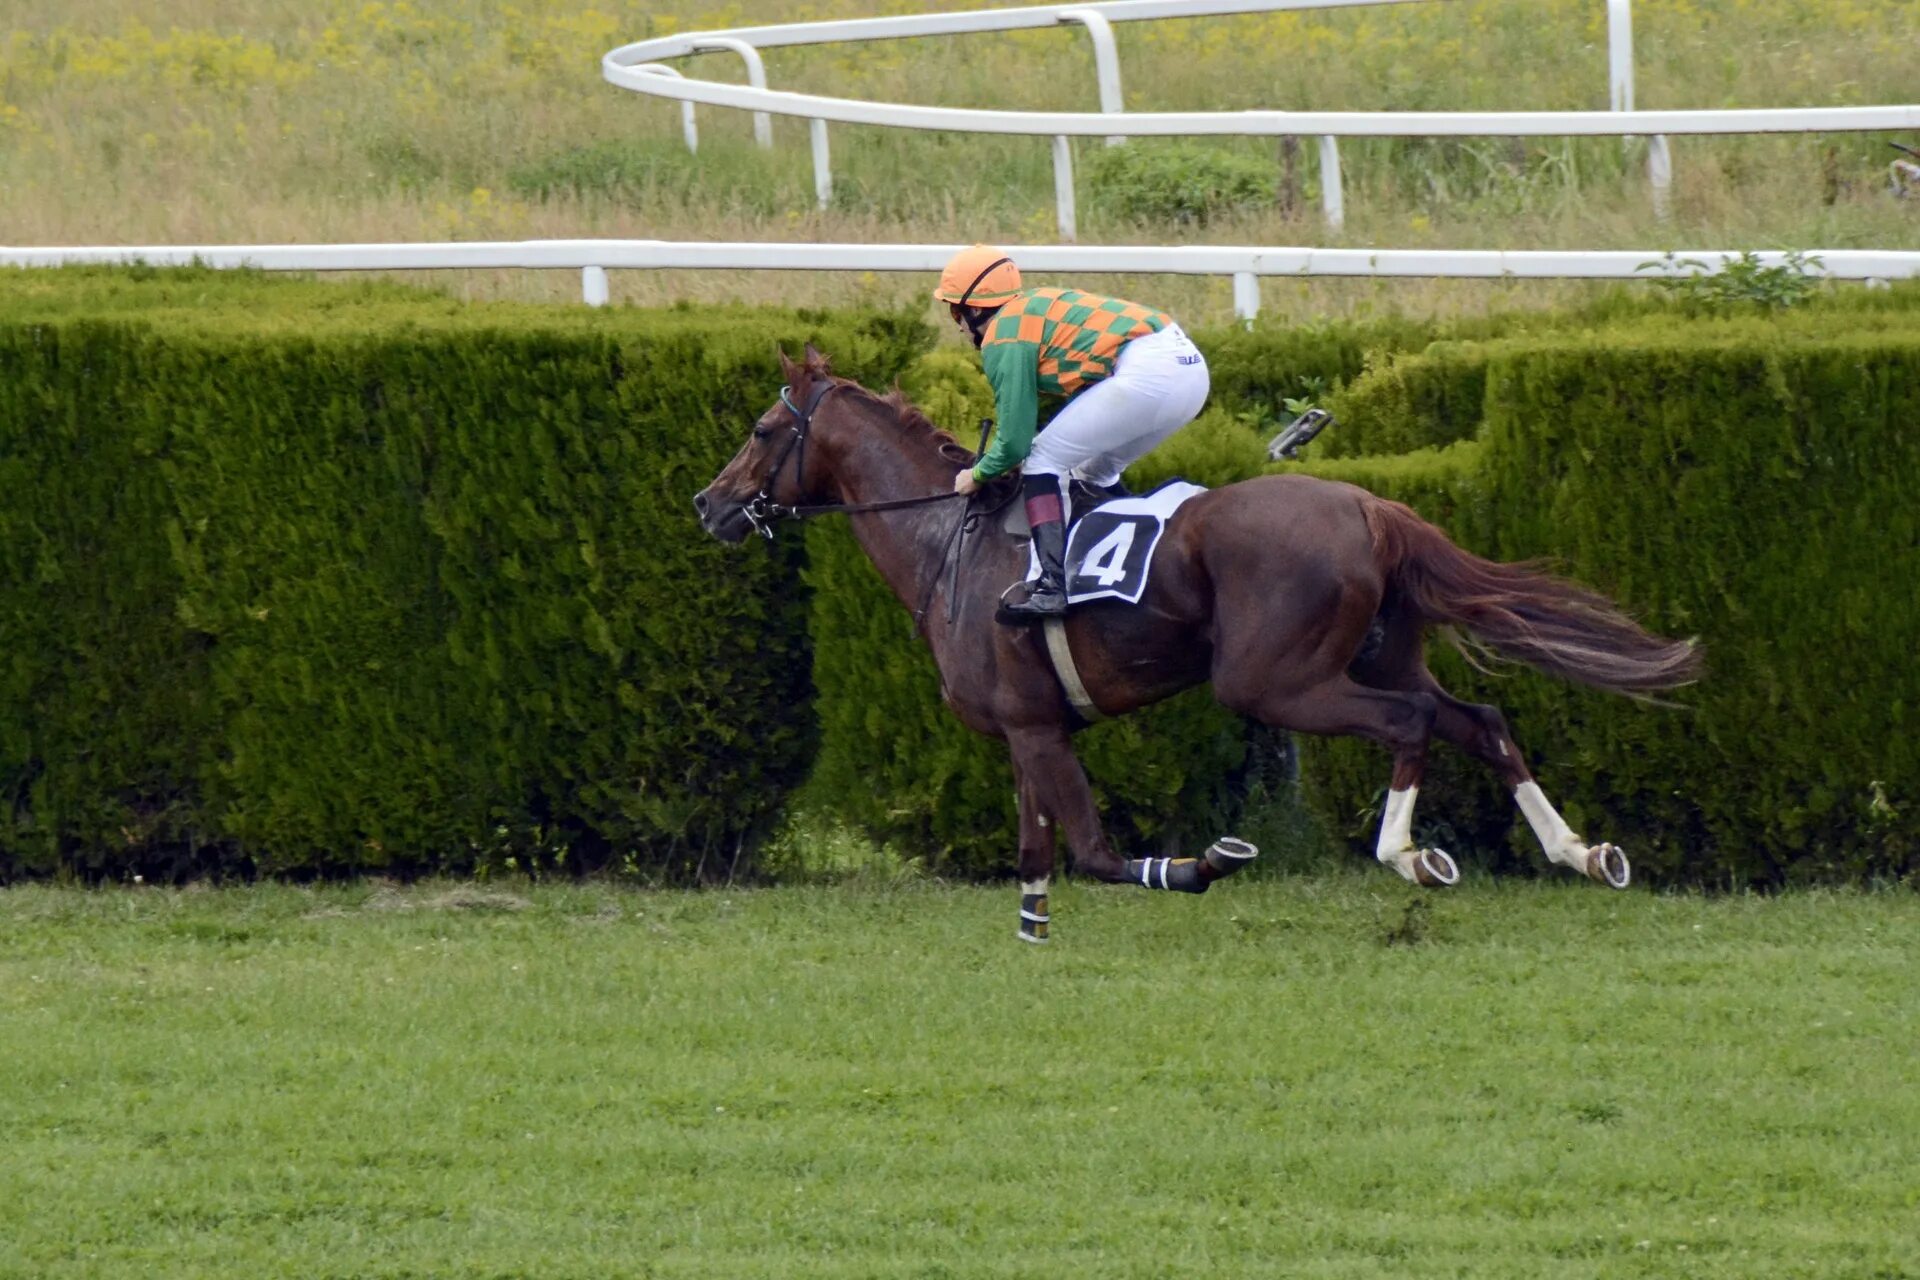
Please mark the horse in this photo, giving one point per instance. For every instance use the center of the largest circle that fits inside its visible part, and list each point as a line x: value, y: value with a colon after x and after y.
x: 1303, y: 602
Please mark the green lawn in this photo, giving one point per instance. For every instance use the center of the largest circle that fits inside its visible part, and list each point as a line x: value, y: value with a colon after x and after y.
x: 1300, y: 1077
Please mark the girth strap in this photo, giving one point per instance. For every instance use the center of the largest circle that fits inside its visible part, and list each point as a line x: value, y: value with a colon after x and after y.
x: 1062, y: 658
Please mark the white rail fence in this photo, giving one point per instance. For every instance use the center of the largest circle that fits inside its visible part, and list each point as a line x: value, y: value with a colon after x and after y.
x: 1244, y: 265
x: 639, y: 67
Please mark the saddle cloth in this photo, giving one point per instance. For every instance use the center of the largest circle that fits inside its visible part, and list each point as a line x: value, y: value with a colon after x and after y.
x: 1110, y: 548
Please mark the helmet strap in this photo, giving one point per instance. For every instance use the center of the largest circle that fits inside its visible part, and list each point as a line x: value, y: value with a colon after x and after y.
x: 991, y: 267
x: 975, y: 319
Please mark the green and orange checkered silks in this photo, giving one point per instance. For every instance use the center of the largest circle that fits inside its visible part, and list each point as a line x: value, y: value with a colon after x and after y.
x: 1077, y: 335
x: 1051, y: 342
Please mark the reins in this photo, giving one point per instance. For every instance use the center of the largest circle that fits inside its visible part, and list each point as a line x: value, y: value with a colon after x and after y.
x: 762, y: 511
x: 856, y: 508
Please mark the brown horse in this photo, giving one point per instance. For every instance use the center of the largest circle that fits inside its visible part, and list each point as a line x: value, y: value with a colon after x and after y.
x: 1303, y: 601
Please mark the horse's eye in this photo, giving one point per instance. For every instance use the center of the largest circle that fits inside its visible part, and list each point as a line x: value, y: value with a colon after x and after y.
x: 761, y: 433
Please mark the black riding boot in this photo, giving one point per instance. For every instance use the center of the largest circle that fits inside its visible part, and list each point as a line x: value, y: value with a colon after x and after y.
x: 1047, y: 594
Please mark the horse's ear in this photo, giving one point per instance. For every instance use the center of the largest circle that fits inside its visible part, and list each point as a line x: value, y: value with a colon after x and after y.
x: 788, y: 369
x: 817, y: 363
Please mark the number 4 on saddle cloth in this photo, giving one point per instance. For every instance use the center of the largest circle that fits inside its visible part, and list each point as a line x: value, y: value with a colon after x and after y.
x: 1110, y: 548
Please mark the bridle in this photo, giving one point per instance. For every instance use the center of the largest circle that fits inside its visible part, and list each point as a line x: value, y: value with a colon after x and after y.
x: 762, y: 511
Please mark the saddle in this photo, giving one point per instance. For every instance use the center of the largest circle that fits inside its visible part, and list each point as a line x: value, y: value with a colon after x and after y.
x: 1082, y: 496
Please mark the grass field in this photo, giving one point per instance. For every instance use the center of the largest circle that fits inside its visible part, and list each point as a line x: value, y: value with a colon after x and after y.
x: 1310, y: 1076
x: 193, y: 121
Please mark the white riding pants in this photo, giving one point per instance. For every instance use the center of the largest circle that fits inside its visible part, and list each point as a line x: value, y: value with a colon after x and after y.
x: 1158, y: 386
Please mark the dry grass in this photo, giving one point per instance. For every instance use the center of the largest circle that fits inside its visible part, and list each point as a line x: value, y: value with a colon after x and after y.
x: 209, y: 121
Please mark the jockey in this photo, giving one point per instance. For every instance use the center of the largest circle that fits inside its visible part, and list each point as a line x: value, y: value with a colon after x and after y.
x: 1129, y: 376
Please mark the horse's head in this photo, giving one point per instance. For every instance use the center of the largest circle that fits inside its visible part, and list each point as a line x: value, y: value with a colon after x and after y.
x: 781, y: 464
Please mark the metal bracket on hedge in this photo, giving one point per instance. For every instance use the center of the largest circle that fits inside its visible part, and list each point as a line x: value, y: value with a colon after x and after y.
x: 1288, y: 443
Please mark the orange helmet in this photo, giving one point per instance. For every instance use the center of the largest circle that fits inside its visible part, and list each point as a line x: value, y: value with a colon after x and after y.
x: 980, y: 276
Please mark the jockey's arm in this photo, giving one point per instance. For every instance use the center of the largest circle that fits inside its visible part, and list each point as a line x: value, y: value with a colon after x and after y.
x: 1013, y: 370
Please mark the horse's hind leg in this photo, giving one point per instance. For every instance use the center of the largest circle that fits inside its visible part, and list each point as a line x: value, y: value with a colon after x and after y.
x: 1481, y: 731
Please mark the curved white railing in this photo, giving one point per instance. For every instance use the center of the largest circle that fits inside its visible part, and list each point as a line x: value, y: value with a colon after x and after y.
x: 638, y: 67
x: 1244, y: 264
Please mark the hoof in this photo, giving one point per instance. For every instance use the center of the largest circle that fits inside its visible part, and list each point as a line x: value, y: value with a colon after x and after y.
x: 1607, y: 864
x: 1435, y: 869
x: 1429, y: 868
x: 1226, y: 856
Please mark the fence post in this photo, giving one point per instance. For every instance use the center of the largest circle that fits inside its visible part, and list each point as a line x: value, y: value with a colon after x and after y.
x: 1246, y: 295
x: 1620, y: 94
x: 689, y: 127
x: 822, y: 164
x: 1331, y: 198
x: 756, y: 76
x: 1660, y: 174
x: 1063, y: 185
x: 1106, y: 60
x: 1620, y: 54
x: 593, y: 286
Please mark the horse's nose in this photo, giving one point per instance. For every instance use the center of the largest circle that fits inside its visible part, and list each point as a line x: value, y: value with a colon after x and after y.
x: 700, y: 504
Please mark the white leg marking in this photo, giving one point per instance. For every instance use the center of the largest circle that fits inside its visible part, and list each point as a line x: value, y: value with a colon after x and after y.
x: 1396, y: 833
x: 1556, y: 837
x: 1396, y: 825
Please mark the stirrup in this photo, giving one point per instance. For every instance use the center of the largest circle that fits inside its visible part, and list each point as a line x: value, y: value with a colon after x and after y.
x: 1041, y: 603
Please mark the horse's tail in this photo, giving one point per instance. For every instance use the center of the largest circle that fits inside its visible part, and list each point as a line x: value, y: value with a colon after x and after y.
x: 1522, y: 612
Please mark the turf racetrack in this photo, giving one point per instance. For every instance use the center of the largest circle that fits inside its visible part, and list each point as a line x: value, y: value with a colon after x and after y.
x: 1299, y: 1077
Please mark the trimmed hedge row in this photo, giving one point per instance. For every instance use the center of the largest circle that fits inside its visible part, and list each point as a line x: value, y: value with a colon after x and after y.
x: 381, y: 585
x: 1746, y: 485
x: 298, y: 577
x: 1717, y: 475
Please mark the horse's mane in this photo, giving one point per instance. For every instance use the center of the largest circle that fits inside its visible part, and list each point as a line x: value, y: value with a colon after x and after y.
x: 909, y: 416
x: 905, y: 413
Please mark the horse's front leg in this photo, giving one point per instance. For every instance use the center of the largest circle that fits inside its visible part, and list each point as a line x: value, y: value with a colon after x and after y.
x: 1036, y: 859
x: 1400, y: 721
x: 1048, y: 770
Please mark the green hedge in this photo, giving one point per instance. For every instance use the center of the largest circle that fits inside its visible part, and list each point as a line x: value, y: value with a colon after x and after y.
x: 899, y: 764
x: 1409, y: 402
x: 387, y: 582
x: 1745, y: 481
x: 303, y: 577
x: 105, y: 714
